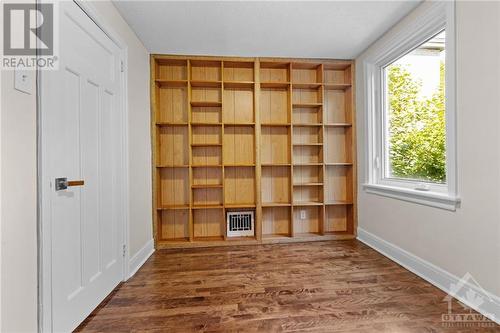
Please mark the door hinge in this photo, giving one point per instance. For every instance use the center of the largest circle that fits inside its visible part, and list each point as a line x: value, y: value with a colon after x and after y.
x: 121, y: 66
x: 124, y: 250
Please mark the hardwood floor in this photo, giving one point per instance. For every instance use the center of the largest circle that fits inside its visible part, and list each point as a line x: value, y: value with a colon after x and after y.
x: 337, y: 286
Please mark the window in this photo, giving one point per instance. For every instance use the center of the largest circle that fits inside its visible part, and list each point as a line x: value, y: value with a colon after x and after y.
x: 414, y: 107
x: 409, y: 85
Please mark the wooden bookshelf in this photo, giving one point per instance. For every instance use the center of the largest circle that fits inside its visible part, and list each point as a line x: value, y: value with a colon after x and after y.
x: 271, y: 135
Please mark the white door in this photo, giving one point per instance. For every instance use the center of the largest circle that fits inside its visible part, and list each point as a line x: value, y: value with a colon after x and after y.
x: 82, y: 225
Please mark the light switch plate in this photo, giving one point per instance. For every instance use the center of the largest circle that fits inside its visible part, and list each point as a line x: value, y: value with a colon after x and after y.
x: 24, y: 80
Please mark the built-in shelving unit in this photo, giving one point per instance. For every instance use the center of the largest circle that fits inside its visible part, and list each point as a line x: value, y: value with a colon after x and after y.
x: 275, y: 136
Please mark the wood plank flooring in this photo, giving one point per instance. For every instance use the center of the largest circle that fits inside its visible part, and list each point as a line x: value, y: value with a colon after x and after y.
x: 336, y: 286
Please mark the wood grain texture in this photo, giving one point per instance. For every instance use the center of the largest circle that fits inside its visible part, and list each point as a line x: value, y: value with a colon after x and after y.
x: 340, y: 286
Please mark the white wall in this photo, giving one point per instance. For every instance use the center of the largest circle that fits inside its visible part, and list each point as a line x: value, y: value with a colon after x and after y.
x: 18, y: 232
x: 467, y: 240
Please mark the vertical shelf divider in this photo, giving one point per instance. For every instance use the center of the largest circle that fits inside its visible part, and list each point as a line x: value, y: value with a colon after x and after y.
x: 257, y: 157
x: 322, y: 135
x: 154, y: 151
x: 190, y: 135
x: 222, y: 151
x: 290, y: 143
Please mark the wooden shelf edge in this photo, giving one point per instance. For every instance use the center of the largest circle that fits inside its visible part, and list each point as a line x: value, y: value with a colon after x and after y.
x: 243, y: 205
x: 338, y: 203
x: 171, y: 83
x: 205, y: 84
x: 275, y: 204
x: 173, y: 207
x: 207, y: 186
x: 338, y: 125
x: 206, y: 104
x: 275, y: 85
x: 304, y: 85
x: 171, y: 124
x: 298, y: 238
x: 207, y: 206
x: 307, y: 105
x: 337, y: 86
x: 276, y: 124
x: 310, y: 203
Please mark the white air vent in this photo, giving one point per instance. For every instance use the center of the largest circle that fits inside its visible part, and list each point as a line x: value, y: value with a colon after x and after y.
x: 240, y: 224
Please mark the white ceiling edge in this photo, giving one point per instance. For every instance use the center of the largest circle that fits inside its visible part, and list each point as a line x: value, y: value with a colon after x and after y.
x: 291, y: 29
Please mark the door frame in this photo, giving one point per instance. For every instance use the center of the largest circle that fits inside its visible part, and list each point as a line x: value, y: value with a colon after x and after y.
x: 44, y: 235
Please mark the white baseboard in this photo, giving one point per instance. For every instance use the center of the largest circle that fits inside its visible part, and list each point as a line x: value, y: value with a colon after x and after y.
x: 140, y: 257
x: 435, y: 275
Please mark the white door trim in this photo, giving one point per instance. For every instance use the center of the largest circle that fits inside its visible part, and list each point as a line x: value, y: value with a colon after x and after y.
x: 44, y: 258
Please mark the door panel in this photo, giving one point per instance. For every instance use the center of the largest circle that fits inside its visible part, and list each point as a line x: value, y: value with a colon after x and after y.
x: 80, y: 114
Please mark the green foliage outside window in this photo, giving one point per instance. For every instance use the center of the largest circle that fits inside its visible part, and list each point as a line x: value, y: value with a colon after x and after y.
x: 416, y: 128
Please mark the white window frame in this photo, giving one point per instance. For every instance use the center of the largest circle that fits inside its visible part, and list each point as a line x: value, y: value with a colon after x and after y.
x: 424, y: 22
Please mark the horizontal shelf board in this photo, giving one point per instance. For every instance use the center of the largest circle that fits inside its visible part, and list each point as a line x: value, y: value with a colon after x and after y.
x: 238, y: 124
x: 173, y: 240
x: 307, y: 105
x: 202, y: 186
x: 198, y: 206
x: 173, y: 166
x: 206, y: 84
x: 339, y: 164
x: 338, y: 202
x: 308, y: 164
x: 311, y: 85
x: 170, y: 124
x: 242, y: 165
x: 308, y: 184
x: 206, y: 145
x: 206, y: 124
x: 337, y: 86
x: 307, y: 203
x: 275, y: 164
x: 337, y: 65
x: 238, y: 84
x: 239, y: 205
x: 209, y: 238
x: 308, y: 144
x: 276, y: 204
x: 176, y: 207
x: 241, y: 239
x: 307, y: 235
x: 206, y: 104
x: 275, y: 236
x: 338, y: 125
x: 171, y: 83
x: 275, y: 124
x: 206, y: 166
x: 308, y: 124
x: 283, y: 85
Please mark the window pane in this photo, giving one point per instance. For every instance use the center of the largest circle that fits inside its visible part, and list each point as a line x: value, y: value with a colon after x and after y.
x: 415, y: 109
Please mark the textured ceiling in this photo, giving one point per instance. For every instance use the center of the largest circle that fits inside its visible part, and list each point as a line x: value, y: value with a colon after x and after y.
x: 337, y: 29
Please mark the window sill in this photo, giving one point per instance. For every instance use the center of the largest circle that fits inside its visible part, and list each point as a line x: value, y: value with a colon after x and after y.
x: 432, y: 199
